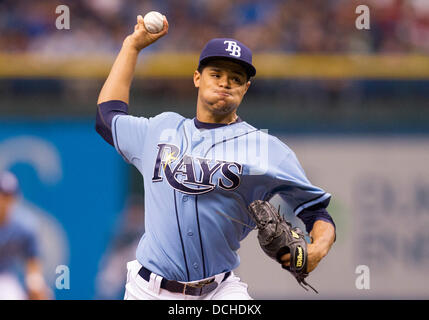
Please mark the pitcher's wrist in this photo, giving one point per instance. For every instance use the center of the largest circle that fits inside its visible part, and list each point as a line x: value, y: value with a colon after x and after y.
x: 130, y: 43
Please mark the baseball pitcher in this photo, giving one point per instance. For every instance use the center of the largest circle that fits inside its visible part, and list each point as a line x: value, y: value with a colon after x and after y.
x: 208, y: 181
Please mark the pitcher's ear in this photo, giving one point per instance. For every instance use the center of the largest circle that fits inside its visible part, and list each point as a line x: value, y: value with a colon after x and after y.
x: 197, y: 77
x: 248, y: 85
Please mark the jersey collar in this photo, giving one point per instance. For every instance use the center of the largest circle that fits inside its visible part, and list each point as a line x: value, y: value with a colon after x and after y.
x: 207, y: 125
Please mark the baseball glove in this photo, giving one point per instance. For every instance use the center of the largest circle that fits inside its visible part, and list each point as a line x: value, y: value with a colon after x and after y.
x: 277, y: 237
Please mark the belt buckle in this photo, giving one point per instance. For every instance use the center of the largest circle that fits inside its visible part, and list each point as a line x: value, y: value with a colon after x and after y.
x: 199, y: 285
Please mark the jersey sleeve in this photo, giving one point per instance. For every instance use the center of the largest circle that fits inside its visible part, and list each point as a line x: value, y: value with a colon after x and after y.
x: 129, y: 133
x: 29, y: 243
x: 32, y: 249
x: 293, y: 186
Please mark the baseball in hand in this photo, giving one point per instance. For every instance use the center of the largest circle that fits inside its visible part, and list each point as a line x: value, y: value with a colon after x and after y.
x: 154, y: 22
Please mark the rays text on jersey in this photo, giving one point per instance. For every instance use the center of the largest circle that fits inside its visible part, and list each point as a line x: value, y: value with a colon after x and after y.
x: 182, y: 176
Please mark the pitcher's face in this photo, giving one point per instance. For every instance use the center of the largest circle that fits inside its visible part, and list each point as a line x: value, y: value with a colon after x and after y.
x: 222, y: 85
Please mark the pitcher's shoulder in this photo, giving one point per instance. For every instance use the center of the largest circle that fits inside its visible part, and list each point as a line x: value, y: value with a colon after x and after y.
x: 264, y: 136
x: 169, y: 115
x: 167, y: 119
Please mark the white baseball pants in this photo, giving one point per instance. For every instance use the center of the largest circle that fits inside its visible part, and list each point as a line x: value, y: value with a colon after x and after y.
x: 137, y: 288
x: 11, y: 288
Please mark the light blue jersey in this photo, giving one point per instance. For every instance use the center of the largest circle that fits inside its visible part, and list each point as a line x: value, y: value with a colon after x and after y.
x: 17, y: 245
x: 198, y: 181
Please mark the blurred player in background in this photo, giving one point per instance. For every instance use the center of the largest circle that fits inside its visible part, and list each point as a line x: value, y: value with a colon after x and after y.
x: 18, y: 245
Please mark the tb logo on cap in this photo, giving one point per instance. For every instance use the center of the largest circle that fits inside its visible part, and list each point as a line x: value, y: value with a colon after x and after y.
x: 233, y: 48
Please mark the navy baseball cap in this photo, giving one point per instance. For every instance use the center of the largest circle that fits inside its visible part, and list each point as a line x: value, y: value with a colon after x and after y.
x: 8, y: 183
x: 230, y: 49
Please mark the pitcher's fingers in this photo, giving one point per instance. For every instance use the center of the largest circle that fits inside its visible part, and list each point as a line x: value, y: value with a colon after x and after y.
x: 285, y: 258
x: 165, y: 23
x: 140, y: 19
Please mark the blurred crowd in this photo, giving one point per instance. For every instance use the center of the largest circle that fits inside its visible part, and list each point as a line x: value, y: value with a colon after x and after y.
x: 327, y: 26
